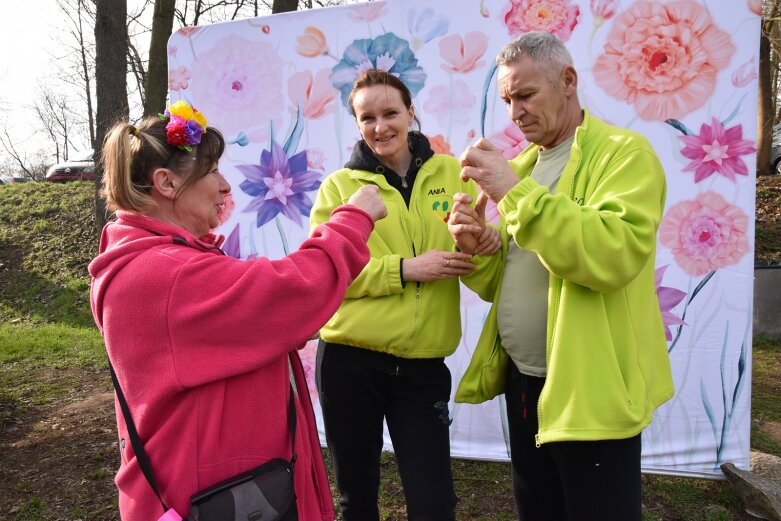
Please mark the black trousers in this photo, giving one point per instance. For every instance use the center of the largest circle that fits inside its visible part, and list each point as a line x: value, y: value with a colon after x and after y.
x: 358, y: 389
x: 568, y: 481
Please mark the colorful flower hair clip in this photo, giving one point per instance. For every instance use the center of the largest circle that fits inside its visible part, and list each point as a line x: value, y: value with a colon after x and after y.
x: 185, y: 125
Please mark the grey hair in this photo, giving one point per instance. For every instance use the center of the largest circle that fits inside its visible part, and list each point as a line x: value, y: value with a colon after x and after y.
x: 543, y: 48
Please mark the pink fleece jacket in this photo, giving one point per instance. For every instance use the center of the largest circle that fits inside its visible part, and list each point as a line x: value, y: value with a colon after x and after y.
x: 200, y: 343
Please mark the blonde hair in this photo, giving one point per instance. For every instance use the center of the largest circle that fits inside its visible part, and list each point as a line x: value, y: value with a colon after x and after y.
x: 131, y: 154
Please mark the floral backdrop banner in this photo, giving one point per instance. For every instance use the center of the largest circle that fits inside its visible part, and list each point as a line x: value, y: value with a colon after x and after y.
x: 683, y: 73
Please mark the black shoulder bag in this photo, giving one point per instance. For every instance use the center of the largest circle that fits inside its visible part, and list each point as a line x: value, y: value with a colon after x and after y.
x: 265, y: 492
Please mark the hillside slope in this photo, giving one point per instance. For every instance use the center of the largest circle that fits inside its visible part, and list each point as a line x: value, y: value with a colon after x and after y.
x: 48, y: 236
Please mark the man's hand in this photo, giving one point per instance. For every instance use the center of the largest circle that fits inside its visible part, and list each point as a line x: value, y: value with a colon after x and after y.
x: 467, y: 226
x: 463, y: 223
x: 488, y: 168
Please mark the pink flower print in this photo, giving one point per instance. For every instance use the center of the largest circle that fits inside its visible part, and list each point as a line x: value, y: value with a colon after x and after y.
x: 716, y: 150
x: 315, y: 159
x: 510, y: 141
x: 312, y: 43
x: 755, y: 6
x: 668, y: 299
x: 745, y: 74
x: 663, y: 58
x: 178, y: 79
x: 439, y: 144
x: 227, y: 208
x: 188, y: 30
x: 463, y: 54
x: 705, y: 234
x: 558, y: 17
x: 367, y: 12
x: 492, y: 213
x: 239, y: 84
x: 603, y: 9
x: 278, y: 187
x: 313, y: 95
x: 484, y: 12
x: 308, y: 355
x: 172, y: 50
x: 450, y: 104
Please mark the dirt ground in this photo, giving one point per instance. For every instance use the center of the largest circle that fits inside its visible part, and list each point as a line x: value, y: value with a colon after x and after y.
x: 60, y: 458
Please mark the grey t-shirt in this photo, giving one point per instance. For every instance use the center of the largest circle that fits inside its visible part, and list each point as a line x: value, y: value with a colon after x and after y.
x: 523, y: 299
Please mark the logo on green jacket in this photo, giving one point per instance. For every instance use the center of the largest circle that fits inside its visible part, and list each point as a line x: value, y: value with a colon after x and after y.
x: 442, y: 209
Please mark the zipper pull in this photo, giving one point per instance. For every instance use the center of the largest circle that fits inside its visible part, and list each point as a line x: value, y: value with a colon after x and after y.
x: 404, y: 182
x: 537, y: 441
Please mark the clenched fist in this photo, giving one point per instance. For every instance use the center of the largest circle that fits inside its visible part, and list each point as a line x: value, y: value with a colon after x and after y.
x: 368, y: 199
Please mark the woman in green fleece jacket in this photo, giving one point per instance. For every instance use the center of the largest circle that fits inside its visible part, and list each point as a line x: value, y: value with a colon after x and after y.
x: 381, y: 356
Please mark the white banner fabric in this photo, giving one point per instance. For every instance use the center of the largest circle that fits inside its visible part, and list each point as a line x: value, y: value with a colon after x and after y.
x: 683, y: 73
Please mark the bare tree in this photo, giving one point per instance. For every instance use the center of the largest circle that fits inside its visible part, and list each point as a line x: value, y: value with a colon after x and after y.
x: 768, y: 107
x: 34, y: 168
x: 58, y: 121
x: 81, y: 17
x: 156, y: 86
x: 111, y: 45
x: 283, y: 6
x: 765, y: 114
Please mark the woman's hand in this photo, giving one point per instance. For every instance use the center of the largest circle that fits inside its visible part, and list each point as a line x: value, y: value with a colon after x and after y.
x: 368, y: 199
x: 437, y: 265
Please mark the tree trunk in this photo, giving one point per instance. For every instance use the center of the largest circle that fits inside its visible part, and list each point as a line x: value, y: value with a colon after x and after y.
x: 156, y: 88
x: 765, y: 114
x: 284, y: 6
x: 110, y: 82
x: 87, y: 79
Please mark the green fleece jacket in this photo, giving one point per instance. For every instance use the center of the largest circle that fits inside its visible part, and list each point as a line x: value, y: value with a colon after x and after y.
x: 607, y: 362
x: 413, y: 320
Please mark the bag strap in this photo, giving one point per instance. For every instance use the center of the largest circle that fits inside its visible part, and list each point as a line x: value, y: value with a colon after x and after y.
x: 138, y: 446
x: 291, y: 423
x: 135, y: 441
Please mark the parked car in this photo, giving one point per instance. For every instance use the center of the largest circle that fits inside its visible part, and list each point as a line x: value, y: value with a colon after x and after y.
x: 82, y: 168
x: 14, y: 180
x: 775, y: 151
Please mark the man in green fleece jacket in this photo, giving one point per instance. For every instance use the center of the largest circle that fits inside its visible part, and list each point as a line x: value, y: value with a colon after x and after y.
x: 574, y: 338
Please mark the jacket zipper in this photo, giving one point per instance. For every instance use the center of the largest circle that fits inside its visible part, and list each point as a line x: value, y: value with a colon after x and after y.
x: 559, y: 283
x: 417, y: 303
x: 413, y: 207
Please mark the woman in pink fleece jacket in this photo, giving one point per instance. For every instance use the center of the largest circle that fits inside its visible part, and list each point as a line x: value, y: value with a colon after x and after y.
x: 205, y: 346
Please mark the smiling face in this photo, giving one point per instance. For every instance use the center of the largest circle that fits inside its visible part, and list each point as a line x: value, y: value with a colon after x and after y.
x: 198, y: 207
x: 383, y: 120
x: 543, y: 105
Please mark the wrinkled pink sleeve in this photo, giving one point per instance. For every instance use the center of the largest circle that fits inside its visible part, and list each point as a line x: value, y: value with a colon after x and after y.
x: 227, y: 317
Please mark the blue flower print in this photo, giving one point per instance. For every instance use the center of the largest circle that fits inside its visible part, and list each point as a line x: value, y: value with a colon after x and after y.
x: 387, y: 52
x: 425, y: 26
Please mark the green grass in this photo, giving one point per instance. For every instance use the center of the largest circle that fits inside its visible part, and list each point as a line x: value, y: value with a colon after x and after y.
x: 47, y: 238
x: 49, y: 345
x: 36, y: 364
